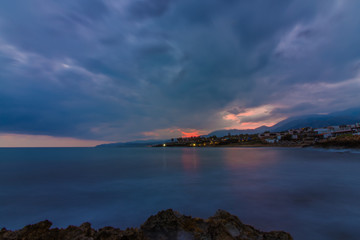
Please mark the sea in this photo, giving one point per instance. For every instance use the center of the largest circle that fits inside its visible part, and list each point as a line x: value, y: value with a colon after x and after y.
x: 314, y: 194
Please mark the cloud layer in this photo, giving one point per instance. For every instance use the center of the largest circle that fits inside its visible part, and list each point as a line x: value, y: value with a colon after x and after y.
x: 131, y: 69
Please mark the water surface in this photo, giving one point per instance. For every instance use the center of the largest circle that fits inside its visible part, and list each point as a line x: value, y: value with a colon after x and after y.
x: 313, y: 194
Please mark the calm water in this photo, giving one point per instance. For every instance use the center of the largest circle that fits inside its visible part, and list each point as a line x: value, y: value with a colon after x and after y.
x: 313, y: 194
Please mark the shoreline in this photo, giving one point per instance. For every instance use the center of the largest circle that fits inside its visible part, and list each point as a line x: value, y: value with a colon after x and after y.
x: 334, y: 147
x: 239, y: 146
x: 316, y: 146
x: 165, y: 225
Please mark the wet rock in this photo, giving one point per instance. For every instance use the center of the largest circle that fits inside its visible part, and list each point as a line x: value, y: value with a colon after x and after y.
x: 165, y: 225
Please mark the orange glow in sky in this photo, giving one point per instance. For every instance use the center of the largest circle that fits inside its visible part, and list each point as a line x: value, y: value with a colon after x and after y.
x: 247, y: 119
x: 252, y: 125
x: 195, y: 133
x: 174, y: 133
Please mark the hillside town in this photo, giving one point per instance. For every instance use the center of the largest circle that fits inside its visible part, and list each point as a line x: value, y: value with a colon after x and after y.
x: 307, y: 136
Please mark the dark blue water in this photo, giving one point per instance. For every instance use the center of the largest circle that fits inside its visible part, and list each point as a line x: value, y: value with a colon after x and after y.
x: 312, y: 194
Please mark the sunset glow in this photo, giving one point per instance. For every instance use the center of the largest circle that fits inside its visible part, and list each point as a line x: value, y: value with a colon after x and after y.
x: 174, y: 133
x: 194, y: 133
x: 115, y: 110
x: 141, y: 70
x: 251, y: 118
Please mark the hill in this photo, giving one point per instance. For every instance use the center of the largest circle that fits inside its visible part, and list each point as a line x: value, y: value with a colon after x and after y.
x: 349, y: 116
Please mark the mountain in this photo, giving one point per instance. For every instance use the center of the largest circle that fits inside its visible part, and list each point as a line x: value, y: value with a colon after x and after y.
x: 349, y: 116
x: 223, y: 132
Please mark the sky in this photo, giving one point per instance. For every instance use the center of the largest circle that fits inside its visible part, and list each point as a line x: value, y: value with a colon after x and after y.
x: 85, y: 72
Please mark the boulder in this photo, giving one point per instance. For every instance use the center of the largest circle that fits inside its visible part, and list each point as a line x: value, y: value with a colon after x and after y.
x: 165, y: 225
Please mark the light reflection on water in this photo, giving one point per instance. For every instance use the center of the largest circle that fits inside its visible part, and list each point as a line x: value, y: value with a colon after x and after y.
x: 313, y: 194
x: 251, y: 159
x: 189, y: 159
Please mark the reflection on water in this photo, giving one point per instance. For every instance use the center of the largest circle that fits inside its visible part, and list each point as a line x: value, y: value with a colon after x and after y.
x: 252, y: 158
x: 312, y: 194
x: 189, y: 159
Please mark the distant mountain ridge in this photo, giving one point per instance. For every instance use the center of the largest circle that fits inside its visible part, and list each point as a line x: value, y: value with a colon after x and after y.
x: 223, y: 132
x: 138, y: 143
x: 349, y: 116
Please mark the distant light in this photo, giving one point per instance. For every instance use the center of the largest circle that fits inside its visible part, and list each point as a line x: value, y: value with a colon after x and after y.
x: 164, y: 145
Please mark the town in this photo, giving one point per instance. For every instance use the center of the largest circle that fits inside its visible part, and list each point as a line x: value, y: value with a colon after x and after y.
x: 295, y: 137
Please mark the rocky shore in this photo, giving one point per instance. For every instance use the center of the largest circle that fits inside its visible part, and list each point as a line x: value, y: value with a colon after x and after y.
x: 164, y: 225
x: 351, y: 142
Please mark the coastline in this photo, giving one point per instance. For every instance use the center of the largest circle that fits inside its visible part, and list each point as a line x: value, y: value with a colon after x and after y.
x: 261, y: 145
x: 332, y: 144
x: 314, y: 146
x: 257, y: 145
x: 334, y: 147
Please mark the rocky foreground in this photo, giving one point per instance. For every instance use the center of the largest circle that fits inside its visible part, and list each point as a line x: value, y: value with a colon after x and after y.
x: 165, y: 225
x: 340, y: 142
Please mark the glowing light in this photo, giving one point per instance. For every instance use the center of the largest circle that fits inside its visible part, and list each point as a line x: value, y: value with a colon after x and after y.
x: 174, y: 132
x: 231, y: 116
x: 191, y: 133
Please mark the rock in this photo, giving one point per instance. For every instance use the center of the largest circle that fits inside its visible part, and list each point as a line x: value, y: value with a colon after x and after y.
x: 165, y: 225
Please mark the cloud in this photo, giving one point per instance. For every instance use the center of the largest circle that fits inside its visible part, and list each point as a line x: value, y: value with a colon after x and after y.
x: 23, y: 140
x: 120, y: 70
x: 140, y: 9
x: 251, y: 118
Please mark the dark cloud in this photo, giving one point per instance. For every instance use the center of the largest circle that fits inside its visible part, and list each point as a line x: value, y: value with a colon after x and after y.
x: 299, y: 108
x: 236, y: 110
x: 111, y: 69
x: 140, y: 9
